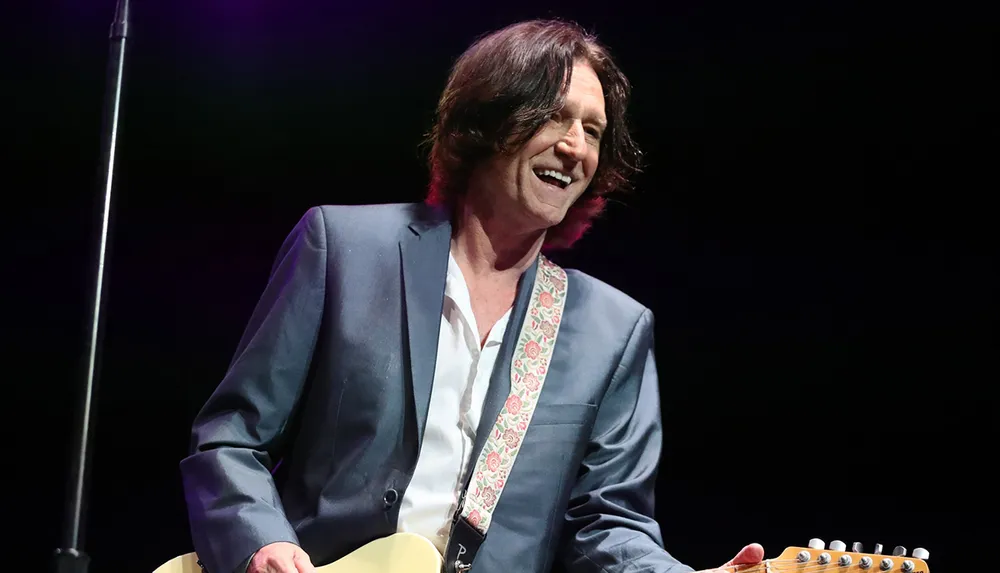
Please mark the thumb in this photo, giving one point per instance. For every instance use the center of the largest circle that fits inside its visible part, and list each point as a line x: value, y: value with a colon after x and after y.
x: 302, y: 562
x: 750, y: 555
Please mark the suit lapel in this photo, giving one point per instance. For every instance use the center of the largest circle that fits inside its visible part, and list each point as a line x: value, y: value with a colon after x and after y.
x: 424, y: 255
x: 499, y: 390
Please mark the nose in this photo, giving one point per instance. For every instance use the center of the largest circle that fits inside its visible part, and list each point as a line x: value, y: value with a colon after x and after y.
x: 572, y: 143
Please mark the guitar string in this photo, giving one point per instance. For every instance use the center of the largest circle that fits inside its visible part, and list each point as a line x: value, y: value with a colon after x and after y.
x: 799, y: 567
x: 749, y: 568
x: 813, y: 565
x: 769, y: 566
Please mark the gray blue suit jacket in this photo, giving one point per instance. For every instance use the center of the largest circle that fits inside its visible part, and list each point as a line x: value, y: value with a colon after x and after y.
x: 333, y: 377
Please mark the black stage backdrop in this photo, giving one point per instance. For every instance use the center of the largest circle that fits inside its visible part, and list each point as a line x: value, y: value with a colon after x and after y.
x: 812, y: 232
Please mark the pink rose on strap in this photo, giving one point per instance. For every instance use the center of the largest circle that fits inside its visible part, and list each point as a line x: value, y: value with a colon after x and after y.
x: 532, y: 349
x: 513, y: 405
x: 531, y: 381
x: 474, y: 518
x: 493, y: 461
x: 546, y: 299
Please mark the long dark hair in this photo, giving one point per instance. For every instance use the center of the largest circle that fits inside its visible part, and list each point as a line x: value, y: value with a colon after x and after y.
x: 503, y: 88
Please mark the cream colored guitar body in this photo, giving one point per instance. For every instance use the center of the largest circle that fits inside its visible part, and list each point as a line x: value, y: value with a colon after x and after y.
x: 398, y: 553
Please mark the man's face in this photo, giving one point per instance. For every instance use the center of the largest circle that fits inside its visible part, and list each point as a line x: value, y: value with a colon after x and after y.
x: 537, y: 184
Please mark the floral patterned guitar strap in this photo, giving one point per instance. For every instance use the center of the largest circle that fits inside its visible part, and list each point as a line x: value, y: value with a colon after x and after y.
x: 529, y: 365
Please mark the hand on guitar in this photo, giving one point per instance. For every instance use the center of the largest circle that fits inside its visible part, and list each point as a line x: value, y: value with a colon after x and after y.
x: 280, y: 557
x: 752, y: 554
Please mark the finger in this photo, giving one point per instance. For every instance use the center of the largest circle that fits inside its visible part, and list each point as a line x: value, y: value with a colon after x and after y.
x: 272, y: 564
x: 280, y: 565
x: 302, y: 562
x: 749, y: 555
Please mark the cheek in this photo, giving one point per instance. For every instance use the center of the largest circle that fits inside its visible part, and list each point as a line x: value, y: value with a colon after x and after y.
x: 546, y: 137
x: 590, y: 163
x: 503, y: 169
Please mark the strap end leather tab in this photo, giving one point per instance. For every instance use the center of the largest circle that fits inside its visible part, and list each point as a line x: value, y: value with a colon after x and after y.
x: 462, y: 547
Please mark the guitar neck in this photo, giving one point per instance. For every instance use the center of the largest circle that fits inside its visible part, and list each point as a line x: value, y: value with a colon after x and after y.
x: 817, y: 559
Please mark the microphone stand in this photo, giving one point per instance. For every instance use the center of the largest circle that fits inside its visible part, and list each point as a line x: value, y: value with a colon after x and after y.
x: 70, y: 558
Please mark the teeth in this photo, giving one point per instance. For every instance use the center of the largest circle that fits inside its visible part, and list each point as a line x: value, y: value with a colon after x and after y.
x: 556, y: 175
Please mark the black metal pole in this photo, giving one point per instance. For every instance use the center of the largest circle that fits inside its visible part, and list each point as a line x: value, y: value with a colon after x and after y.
x: 70, y: 558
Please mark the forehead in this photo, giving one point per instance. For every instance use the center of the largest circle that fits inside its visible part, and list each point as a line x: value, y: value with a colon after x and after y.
x: 585, y: 95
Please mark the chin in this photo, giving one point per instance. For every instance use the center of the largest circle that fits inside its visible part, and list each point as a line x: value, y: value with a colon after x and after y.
x: 548, y: 217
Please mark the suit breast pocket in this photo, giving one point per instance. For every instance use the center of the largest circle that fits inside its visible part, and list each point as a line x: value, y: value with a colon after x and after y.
x: 547, y: 462
x: 560, y: 422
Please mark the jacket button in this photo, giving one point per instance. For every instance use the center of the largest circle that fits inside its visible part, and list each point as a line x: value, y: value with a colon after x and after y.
x: 390, y: 497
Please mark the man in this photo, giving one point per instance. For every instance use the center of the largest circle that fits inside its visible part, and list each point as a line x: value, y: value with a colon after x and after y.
x: 381, y: 353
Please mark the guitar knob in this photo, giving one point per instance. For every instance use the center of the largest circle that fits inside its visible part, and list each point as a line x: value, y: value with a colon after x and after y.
x: 824, y: 558
x: 837, y: 545
x: 803, y: 556
x: 866, y: 562
x: 845, y: 561
x: 886, y: 564
x: 857, y: 547
x: 907, y: 566
x: 899, y: 551
x: 816, y: 543
x: 921, y: 553
x: 878, y: 549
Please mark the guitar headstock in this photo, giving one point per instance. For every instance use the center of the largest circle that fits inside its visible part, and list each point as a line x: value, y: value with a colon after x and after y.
x: 835, y: 558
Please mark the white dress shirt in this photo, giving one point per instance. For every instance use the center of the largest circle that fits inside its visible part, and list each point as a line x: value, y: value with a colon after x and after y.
x: 461, y: 377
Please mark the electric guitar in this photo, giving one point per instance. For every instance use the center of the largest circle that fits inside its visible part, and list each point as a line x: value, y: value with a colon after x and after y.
x: 397, y: 553
x: 411, y: 553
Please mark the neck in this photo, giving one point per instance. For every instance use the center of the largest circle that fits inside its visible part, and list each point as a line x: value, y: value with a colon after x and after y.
x: 484, y: 245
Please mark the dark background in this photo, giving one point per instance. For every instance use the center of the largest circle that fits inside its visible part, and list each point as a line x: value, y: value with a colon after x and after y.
x: 812, y: 231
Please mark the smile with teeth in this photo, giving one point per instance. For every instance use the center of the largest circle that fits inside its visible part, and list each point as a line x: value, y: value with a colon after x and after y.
x: 553, y: 177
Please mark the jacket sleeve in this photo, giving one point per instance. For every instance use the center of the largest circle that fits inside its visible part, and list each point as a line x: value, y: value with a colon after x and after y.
x: 610, y: 525
x: 233, y: 505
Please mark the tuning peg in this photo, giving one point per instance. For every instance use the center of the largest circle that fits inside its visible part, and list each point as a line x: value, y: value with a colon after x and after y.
x: 878, y: 549
x: 907, y: 566
x: 816, y: 543
x: 857, y: 547
x: 899, y: 551
x: 837, y: 545
x: 921, y: 553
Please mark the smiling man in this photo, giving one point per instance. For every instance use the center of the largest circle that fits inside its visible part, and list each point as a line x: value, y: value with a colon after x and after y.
x: 424, y: 369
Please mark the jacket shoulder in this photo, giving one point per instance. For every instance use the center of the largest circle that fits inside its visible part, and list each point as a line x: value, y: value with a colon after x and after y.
x: 603, y: 299
x: 374, y: 217
x: 367, y: 225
